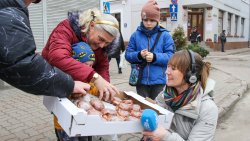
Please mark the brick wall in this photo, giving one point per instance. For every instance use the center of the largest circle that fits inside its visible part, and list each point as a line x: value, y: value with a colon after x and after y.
x: 228, y: 45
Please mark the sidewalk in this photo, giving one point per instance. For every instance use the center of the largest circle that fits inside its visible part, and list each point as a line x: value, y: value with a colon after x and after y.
x: 24, y: 118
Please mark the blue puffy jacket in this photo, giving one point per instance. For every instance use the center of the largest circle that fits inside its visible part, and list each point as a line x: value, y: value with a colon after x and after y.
x: 154, y: 72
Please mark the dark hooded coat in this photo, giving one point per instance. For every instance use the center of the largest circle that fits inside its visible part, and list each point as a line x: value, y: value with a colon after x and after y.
x: 116, y: 47
x: 20, y: 66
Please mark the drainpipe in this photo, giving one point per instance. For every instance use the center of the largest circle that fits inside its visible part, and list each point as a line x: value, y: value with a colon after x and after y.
x: 249, y: 26
x: 45, y: 25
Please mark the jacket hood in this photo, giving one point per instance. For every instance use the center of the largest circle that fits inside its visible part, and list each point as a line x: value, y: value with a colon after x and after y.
x: 116, y: 46
x: 73, y: 18
x: 14, y: 3
x: 209, y: 87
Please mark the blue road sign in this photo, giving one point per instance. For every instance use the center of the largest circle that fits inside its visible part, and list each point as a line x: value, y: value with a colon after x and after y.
x: 174, y: 1
x: 106, y: 7
x: 173, y: 8
x: 173, y: 16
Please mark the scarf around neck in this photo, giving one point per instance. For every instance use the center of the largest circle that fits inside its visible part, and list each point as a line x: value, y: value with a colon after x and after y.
x: 147, y: 32
x: 176, y: 101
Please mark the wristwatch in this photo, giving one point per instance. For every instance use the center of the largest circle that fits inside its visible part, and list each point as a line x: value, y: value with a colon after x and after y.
x: 95, y: 76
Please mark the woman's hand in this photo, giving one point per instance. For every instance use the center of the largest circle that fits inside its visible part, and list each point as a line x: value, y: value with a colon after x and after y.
x: 80, y: 89
x: 106, y: 90
x: 156, y: 135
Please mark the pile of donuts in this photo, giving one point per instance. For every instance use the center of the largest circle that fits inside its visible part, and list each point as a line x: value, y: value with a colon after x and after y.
x: 123, y: 110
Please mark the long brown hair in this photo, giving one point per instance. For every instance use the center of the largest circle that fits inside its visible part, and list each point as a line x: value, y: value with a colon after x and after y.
x: 182, y: 61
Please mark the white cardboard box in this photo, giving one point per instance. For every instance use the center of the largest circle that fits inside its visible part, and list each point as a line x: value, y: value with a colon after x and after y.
x: 76, y: 122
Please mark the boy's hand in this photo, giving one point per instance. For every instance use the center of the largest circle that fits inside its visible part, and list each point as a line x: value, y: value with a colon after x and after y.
x: 149, y: 57
x: 144, y: 53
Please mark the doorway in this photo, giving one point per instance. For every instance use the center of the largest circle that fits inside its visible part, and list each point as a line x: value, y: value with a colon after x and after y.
x: 118, y: 17
x: 195, y: 18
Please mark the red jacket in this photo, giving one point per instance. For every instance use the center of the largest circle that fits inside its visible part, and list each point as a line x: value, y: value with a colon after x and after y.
x: 58, y: 53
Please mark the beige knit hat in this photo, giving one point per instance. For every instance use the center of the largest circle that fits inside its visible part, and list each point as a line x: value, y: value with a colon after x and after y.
x: 151, y: 10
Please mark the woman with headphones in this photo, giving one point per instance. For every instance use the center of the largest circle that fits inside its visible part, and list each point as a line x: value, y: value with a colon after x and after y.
x: 188, y: 94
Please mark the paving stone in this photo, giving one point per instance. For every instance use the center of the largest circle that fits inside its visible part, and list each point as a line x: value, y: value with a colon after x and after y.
x: 51, y: 136
x: 31, y: 132
x: 14, y: 126
x: 18, y: 129
x: 8, y: 137
x: 13, y: 121
x: 21, y: 135
x: 35, y: 138
x: 4, y: 118
x: 46, y: 128
x: 27, y: 119
x: 4, y: 132
x: 30, y: 124
x: 130, y: 137
x: 15, y: 139
x: 45, y: 139
x: 4, y: 123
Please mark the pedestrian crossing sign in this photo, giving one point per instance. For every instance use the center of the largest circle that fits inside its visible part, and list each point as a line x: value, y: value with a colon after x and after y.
x: 106, y: 7
x: 173, y: 16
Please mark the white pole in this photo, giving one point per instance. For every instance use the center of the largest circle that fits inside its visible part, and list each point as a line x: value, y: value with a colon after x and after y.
x: 45, y: 26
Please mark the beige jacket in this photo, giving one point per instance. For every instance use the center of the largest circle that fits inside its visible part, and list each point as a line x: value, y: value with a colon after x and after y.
x: 196, y: 121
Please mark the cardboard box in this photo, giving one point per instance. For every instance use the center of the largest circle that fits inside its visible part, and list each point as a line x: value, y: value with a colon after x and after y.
x: 76, y: 122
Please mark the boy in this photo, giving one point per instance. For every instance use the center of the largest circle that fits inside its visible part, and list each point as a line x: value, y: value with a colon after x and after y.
x: 153, y: 56
x: 82, y: 52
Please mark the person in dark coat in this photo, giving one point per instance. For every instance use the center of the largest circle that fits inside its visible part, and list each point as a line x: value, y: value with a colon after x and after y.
x: 20, y: 66
x: 223, y: 40
x: 120, y: 47
x: 195, y: 36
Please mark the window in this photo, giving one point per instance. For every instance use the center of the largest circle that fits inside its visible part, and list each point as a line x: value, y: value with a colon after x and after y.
x: 220, y: 22
x: 164, y: 14
x: 236, y: 25
x: 242, y: 27
x: 229, y: 23
x: 164, y: 18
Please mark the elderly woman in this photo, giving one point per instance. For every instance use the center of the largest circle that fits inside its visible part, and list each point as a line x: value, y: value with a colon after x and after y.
x: 96, y: 29
x: 188, y: 94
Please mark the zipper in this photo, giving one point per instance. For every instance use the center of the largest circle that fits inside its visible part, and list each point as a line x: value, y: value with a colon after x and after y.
x: 147, y: 62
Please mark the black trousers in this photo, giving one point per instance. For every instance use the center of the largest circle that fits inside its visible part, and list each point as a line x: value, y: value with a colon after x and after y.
x: 222, y: 46
x: 118, y: 60
x: 150, y: 91
x: 62, y: 136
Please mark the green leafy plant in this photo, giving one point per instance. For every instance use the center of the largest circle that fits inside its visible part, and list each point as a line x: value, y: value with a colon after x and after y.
x: 180, y: 40
x: 200, y: 50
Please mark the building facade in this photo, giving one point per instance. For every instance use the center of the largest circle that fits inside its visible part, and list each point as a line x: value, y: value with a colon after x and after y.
x: 45, y: 16
x: 209, y: 16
